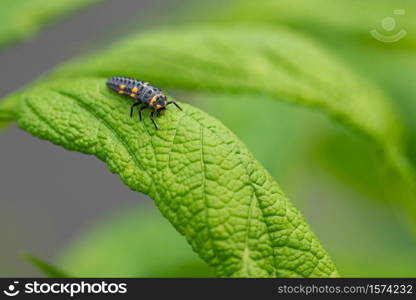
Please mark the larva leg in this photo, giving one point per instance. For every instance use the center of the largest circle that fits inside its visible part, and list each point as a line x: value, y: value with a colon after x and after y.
x: 140, y: 112
x: 174, y: 103
x: 132, y: 107
x: 153, y: 121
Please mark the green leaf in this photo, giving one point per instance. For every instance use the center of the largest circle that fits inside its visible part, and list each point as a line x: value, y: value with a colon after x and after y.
x: 346, y: 26
x: 20, y: 19
x: 142, y: 235
x: 266, y: 61
x: 261, y: 61
x: 235, y: 217
x: 45, y: 267
x: 230, y: 210
x: 339, y: 18
x: 200, y: 176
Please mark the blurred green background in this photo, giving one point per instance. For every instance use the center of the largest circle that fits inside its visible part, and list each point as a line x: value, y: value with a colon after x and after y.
x: 335, y: 177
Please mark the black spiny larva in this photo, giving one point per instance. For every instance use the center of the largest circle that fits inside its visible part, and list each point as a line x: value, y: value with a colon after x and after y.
x: 143, y: 93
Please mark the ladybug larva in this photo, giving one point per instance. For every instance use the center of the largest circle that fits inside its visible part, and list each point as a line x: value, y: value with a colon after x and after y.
x: 144, y: 94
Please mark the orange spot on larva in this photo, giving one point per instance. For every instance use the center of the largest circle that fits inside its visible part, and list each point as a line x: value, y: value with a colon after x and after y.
x: 153, y: 100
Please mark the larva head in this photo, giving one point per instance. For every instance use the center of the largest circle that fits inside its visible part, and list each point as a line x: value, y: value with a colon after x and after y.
x: 159, y: 102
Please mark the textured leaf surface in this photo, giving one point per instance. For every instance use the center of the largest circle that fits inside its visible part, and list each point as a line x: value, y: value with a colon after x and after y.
x: 201, y: 177
x: 20, y: 19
